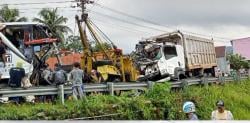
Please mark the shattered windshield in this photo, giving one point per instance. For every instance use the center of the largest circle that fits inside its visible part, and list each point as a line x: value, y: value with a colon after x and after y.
x: 157, y: 54
x: 153, y: 52
x: 170, y: 52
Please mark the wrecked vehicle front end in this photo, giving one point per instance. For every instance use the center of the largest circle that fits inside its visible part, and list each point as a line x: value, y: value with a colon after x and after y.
x: 146, y: 57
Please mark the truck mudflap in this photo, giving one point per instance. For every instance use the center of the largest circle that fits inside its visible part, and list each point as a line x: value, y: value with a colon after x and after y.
x: 177, y: 73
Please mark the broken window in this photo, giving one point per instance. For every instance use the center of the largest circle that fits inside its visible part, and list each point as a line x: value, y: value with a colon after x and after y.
x: 157, y: 54
x: 39, y: 33
x: 169, y: 52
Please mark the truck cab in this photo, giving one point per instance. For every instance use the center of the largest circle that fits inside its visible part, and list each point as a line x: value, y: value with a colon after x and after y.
x: 172, y: 61
x: 169, y: 59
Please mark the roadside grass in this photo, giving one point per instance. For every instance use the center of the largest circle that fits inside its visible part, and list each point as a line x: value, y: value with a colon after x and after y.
x: 161, y: 103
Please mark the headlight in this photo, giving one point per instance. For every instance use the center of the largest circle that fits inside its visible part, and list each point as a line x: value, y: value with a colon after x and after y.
x: 151, y: 69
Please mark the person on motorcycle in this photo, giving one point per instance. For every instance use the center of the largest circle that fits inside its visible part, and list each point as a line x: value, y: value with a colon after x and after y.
x: 189, y: 110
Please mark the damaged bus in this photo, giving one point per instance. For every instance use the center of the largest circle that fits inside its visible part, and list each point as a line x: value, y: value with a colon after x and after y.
x: 26, y: 43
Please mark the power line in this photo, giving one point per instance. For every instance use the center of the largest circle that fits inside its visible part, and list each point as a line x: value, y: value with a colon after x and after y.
x: 132, y: 16
x: 154, y: 23
x: 118, y: 12
x: 94, y: 4
x: 68, y: 7
x: 125, y: 21
x: 111, y: 17
x: 124, y: 28
x: 35, y: 3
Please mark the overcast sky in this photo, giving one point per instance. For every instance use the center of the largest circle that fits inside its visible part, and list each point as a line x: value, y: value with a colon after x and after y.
x: 221, y: 19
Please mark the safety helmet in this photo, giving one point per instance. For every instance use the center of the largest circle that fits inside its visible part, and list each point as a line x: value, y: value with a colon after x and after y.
x: 188, y: 107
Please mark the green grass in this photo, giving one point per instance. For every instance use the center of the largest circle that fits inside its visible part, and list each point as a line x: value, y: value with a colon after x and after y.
x: 157, y: 104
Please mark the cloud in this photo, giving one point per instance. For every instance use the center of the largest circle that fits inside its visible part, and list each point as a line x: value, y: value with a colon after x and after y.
x: 221, y: 18
x: 192, y: 12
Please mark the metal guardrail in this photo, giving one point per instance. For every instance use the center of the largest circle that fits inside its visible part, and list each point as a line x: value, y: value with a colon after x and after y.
x: 108, y: 87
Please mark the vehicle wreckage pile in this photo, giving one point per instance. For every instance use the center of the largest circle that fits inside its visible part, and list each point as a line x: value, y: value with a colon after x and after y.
x: 146, y: 54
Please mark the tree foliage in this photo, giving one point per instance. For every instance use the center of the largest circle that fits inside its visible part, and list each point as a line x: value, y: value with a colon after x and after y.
x: 11, y: 15
x: 54, y: 21
x: 237, y: 61
x: 72, y: 43
x: 98, y: 47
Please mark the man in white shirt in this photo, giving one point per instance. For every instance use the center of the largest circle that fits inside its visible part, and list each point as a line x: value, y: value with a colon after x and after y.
x: 221, y: 113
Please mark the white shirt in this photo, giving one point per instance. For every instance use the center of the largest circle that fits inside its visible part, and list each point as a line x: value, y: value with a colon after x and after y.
x: 226, y: 115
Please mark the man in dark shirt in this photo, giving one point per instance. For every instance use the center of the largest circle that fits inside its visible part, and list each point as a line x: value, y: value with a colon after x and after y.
x: 16, y: 75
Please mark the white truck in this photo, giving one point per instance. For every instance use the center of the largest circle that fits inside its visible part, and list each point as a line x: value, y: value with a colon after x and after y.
x: 175, y: 55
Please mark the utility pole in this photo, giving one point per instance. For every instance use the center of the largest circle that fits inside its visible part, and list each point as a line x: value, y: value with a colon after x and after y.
x: 82, y: 4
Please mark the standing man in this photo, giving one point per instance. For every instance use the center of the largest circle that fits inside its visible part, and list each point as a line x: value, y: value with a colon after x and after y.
x: 16, y: 75
x: 221, y: 113
x: 189, y: 110
x: 59, y: 76
x: 46, y: 74
x: 77, y: 75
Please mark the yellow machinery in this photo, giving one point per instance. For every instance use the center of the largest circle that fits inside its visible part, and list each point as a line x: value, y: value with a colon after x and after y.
x: 111, y: 63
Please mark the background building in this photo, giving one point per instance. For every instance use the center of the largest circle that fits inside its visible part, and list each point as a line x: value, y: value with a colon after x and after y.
x: 242, y: 47
x: 221, y: 56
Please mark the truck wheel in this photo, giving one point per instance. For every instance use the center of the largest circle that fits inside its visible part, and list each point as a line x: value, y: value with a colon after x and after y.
x: 182, y: 76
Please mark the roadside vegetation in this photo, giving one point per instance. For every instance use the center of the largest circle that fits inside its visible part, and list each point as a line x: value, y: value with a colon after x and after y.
x: 161, y: 103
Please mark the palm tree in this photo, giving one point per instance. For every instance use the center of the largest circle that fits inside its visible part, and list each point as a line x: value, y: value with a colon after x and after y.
x: 54, y: 21
x: 10, y: 15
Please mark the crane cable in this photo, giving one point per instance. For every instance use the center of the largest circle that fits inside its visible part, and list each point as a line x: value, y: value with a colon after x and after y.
x: 103, y: 34
x: 96, y: 37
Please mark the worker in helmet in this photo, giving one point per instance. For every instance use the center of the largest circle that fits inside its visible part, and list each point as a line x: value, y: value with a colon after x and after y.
x: 221, y: 113
x: 189, y: 110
